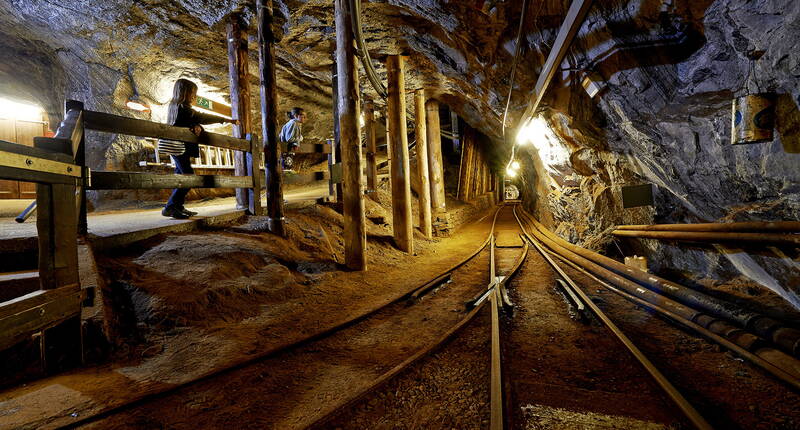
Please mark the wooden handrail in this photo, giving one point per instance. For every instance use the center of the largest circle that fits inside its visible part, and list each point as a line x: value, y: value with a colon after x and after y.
x: 110, y: 123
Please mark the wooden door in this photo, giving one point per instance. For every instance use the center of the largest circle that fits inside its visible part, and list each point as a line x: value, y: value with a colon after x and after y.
x: 8, y: 189
x: 26, y: 131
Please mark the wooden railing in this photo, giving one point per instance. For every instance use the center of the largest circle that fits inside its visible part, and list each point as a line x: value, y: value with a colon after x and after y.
x: 54, y: 164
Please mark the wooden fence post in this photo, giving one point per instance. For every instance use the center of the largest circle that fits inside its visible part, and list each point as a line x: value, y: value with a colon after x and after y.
x: 422, y: 164
x: 254, y: 158
x: 399, y: 172
x: 355, y: 225
x: 240, y: 97
x: 79, y: 153
x: 369, y: 131
x: 269, y: 119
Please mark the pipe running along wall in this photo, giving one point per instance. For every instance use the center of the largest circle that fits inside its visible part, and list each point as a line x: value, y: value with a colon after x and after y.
x: 789, y: 365
x: 786, y: 337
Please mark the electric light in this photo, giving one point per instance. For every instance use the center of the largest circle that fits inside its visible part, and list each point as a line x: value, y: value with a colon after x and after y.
x: 534, y: 131
x: 511, y: 173
x: 19, y: 111
x: 133, y: 103
x: 361, y: 120
x: 515, y: 165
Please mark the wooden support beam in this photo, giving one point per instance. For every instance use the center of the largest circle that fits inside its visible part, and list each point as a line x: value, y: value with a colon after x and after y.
x: 572, y: 23
x: 269, y: 118
x: 355, y: 222
x: 253, y: 171
x: 398, y: 138
x: 238, y: 75
x: 372, y: 149
x: 106, y: 122
x: 38, y: 310
x: 78, y: 140
x: 435, y: 164
x: 138, y: 180
x: 337, y: 139
x: 422, y: 164
x: 464, y: 178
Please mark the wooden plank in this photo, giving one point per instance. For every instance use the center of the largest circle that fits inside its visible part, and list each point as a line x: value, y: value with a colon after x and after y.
x: 240, y: 97
x: 79, y: 155
x: 138, y: 180
x: 26, y: 132
x: 39, y: 152
x: 9, y: 189
x: 51, y: 310
x: 291, y: 178
x: 402, y: 225
x: 45, y: 236
x: 109, y: 123
x: 26, y: 175
x: 64, y: 221
x: 348, y: 102
x: 17, y: 284
x: 269, y: 118
x: 424, y: 193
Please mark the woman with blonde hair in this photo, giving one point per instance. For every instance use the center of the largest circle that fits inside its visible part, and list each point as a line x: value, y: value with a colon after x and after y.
x: 181, y: 114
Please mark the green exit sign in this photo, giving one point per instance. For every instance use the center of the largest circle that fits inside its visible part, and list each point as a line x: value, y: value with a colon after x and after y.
x: 204, y: 103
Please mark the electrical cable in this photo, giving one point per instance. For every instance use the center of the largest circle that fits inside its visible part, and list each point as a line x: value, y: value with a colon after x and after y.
x: 363, y: 53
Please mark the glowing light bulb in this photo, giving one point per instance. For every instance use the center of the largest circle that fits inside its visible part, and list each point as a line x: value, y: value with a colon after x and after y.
x: 511, y: 173
x: 515, y: 165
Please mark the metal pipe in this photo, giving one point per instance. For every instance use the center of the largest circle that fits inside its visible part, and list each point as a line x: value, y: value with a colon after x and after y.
x: 24, y: 215
x: 708, y: 334
x: 786, y: 337
x: 713, y: 237
x: 729, y: 227
x: 788, y: 364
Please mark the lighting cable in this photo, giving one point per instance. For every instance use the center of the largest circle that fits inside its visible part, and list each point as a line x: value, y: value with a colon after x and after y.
x: 517, y: 53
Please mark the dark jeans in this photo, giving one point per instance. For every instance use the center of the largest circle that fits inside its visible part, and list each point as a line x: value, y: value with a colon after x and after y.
x: 183, y: 166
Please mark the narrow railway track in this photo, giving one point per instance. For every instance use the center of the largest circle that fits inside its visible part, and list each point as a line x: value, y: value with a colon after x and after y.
x: 121, y: 415
x: 480, y: 281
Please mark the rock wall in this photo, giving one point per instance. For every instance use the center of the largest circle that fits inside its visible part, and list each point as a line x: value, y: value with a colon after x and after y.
x: 668, y: 71
x: 665, y: 118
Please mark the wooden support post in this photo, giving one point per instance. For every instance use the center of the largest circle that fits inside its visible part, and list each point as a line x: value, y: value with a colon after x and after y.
x: 369, y: 131
x: 435, y: 164
x: 464, y: 182
x: 337, y: 138
x: 79, y: 154
x: 240, y: 97
x: 269, y: 119
x: 422, y: 164
x: 355, y: 223
x: 254, y: 170
x: 399, y: 172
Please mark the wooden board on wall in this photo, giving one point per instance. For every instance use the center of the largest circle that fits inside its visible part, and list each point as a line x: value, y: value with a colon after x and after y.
x: 8, y: 189
x: 21, y: 132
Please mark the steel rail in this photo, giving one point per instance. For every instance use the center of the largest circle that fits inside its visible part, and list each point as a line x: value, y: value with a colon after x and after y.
x: 728, y: 227
x: 380, y: 381
x: 267, y: 354
x: 680, y: 401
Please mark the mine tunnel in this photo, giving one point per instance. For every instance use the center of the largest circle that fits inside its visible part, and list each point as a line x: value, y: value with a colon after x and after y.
x: 405, y: 214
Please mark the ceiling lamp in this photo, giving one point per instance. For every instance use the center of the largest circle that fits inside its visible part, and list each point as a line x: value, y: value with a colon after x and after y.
x: 134, y: 101
x: 515, y: 165
x: 511, y: 173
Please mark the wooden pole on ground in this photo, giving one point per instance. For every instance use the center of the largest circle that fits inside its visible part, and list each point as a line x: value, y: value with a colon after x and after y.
x: 435, y: 165
x: 422, y: 164
x: 398, y: 138
x: 240, y: 96
x: 355, y: 224
x: 269, y: 119
x: 369, y: 131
